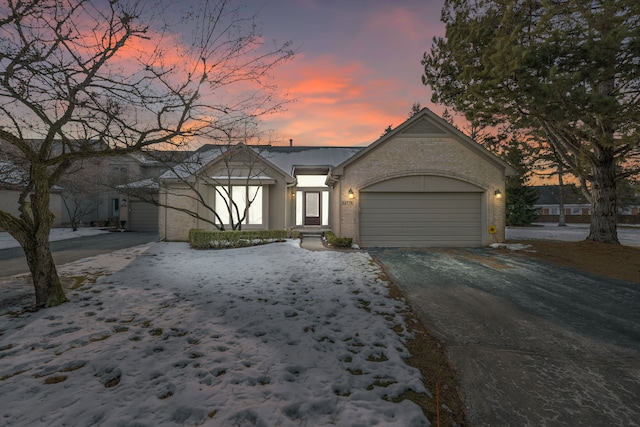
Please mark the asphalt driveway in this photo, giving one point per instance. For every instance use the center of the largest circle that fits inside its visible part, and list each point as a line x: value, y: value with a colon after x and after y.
x: 533, y: 344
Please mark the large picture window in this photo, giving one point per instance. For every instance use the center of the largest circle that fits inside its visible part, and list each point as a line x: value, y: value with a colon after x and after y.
x: 241, y: 197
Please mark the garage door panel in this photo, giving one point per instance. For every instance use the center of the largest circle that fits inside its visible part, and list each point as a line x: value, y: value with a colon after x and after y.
x: 412, y: 200
x: 420, y: 219
x: 143, y: 216
x: 408, y: 232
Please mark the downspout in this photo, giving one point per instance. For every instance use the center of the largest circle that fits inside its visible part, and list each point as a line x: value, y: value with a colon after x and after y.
x: 286, y: 203
x: 332, y: 181
x: 197, y: 190
x: 164, y: 238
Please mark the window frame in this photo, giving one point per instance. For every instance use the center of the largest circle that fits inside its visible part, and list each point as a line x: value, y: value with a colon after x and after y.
x: 256, y: 207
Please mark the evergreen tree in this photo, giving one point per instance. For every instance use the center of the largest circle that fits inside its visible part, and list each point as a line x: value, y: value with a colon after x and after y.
x: 415, y: 109
x: 563, y: 71
x: 447, y: 117
x: 520, y: 198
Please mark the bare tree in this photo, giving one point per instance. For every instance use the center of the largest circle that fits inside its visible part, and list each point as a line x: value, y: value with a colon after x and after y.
x: 80, y: 190
x: 86, y: 79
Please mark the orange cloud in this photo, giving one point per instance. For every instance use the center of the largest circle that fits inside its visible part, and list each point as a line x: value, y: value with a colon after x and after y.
x: 358, y: 77
x: 335, y: 104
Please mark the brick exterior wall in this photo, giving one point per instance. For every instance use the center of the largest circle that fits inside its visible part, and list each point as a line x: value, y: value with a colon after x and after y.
x: 173, y: 224
x: 406, y: 155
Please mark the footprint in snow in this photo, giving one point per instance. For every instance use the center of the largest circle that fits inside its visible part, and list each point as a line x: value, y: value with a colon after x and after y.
x: 109, y: 376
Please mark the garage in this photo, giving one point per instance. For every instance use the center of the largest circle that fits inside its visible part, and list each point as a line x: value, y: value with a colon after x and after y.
x: 420, y: 219
x: 142, y: 216
x: 423, y: 184
x: 421, y: 211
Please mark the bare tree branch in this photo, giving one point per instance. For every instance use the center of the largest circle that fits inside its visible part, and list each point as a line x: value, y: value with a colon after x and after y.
x: 86, y: 79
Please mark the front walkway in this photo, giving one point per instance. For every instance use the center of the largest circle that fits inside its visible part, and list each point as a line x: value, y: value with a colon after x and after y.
x: 312, y: 242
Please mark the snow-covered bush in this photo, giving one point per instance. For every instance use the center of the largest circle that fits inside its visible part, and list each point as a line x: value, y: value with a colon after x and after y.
x: 204, y: 239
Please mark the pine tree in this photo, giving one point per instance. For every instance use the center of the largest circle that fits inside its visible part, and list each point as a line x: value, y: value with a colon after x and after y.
x: 520, y: 198
x: 563, y: 71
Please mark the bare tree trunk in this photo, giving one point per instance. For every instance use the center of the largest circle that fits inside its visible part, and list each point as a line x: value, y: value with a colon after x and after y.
x: 603, y: 203
x: 46, y: 282
x: 561, y: 216
x: 35, y: 243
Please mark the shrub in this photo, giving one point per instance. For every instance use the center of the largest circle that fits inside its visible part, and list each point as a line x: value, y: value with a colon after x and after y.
x: 294, y: 234
x: 204, y: 239
x: 338, y: 242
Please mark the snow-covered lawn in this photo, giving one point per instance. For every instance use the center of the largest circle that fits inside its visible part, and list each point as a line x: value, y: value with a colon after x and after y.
x: 271, y: 335
x: 6, y: 241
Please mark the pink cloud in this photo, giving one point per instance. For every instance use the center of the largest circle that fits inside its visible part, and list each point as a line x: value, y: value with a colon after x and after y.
x: 335, y: 104
x: 356, y: 74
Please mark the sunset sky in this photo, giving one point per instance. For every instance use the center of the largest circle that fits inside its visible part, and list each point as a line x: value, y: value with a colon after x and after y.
x: 357, y: 67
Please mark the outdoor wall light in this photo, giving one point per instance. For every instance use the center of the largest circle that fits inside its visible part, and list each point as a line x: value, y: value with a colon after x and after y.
x: 351, y: 195
x: 498, y: 194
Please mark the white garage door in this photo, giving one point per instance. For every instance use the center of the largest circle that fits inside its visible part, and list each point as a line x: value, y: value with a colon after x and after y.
x: 142, y: 216
x: 396, y: 219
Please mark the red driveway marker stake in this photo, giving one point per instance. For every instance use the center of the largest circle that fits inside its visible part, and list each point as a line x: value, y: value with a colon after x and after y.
x: 438, y: 403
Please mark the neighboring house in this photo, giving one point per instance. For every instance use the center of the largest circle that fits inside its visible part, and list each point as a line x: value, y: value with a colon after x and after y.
x: 421, y: 184
x: 117, y: 171
x: 88, y: 193
x: 12, y: 183
x: 94, y: 187
x: 577, y: 208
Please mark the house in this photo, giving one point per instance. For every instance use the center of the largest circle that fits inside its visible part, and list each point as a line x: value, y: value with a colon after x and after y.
x: 87, y: 194
x: 136, y: 172
x: 577, y: 208
x: 421, y: 184
x: 13, y: 183
x: 90, y: 189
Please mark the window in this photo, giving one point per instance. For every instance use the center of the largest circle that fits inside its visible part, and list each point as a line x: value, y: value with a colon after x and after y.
x: 241, y: 196
x: 299, y: 197
x: 325, y: 207
x: 119, y: 173
x: 311, y: 180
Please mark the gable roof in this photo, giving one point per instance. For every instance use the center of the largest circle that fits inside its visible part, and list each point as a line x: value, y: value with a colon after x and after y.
x: 314, y: 160
x: 210, y: 154
x: 290, y: 161
x: 426, y: 122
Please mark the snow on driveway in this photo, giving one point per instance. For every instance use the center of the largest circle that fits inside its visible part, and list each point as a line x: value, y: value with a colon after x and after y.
x: 271, y: 335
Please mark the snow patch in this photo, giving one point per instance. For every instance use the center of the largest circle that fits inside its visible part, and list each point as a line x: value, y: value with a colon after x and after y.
x: 266, y: 335
x: 510, y: 246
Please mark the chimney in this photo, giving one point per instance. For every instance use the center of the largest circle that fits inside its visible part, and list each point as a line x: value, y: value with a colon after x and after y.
x: 290, y: 143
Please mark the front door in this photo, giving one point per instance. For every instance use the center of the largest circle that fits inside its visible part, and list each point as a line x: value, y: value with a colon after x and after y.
x: 312, y: 208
